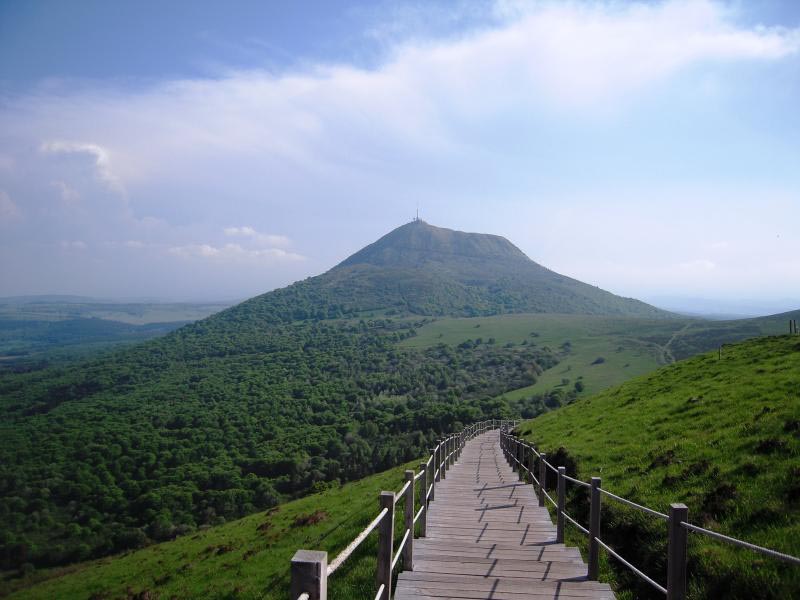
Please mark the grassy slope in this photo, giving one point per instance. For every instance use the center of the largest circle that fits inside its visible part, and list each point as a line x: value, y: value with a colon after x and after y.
x: 722, y: 436
x: 631, y: 346
x: 244, y: 559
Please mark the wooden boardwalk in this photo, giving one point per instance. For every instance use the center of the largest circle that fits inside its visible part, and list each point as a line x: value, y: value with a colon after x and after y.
x: 488, y: 538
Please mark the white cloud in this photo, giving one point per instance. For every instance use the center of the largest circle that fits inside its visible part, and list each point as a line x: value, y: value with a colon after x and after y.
x: 233, y: 253
x: 8, y: 209
x: 264, y: 239
x: 74, y: 245
x: 99, y: 155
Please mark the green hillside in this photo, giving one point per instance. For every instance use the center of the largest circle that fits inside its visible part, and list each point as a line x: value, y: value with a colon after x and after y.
x: 595, y: 351
x: 719, y: 434
x: 245, y: 559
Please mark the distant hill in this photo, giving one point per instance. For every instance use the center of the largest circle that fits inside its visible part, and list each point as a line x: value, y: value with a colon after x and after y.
x: 718, y: 432
x: 430, y: 270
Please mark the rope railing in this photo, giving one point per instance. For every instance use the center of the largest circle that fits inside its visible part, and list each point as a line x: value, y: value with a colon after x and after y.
x: 578, y: 482
x: 515, y: 451
x: 351, y: 547
x: 310, y: 571
x: 574, y: 522
x: 632, y: 504
x: 636, y: 571
x: 742, y: 544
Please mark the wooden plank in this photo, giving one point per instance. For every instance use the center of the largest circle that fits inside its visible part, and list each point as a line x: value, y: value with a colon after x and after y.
x: 486, y: 537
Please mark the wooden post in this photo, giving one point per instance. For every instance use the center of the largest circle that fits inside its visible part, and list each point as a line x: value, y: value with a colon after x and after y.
x: 408, y: 549
x: 431, y: 475
x: 521, y: 458
x: 514, y: 454
x: 531, y: 467
x: 562, y: 501
x: 594, y: 530
x: 423, y: 500
x: 440, y: 461
x: 676, y: 557
x: 542, y: 478
x: 383, y: 574
x: 309, y: 574
x: 452, y: 450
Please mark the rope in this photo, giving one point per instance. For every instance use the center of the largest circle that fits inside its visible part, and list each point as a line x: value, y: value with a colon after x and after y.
x: 766, y: 551
x: 399, y: 552
x: 661, y: 589
x: 344, y: 554
x: 574, y: 522
x: 634, y: 505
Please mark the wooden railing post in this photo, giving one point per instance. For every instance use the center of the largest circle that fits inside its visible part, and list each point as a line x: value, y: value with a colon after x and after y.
x: 594, y: 530
x: 561, y: 505
x: 309, y: 574
x: 385, y: 545
x: 676, y: 557
x: 542, y: 477
x: 432, y: 475
x: 514, y: 452
x: 531, y: 461
x: 423, y: 500
x: 408, y: 521
x: 521, y: 459
x: 452, y: 450
x: 440, y: 463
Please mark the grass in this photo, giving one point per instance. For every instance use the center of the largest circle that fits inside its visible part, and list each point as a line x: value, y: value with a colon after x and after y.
x: 244, y: 559
x: 629, y: 346
x: 721, y: 436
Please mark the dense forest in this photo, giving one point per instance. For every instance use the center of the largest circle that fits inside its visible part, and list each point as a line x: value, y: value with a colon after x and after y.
x: 225, y: 417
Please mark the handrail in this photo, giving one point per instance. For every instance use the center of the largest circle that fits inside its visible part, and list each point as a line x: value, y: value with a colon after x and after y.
x: 579, y: 482
x: 419, y: 514
x: 636, y: 571
x: 677, y: 543
x: 766, y: 551
x: 574, y: 522
x: 345, y: 554
x: 402, y: 492
x: 399, y: 551
x: 633, y: 504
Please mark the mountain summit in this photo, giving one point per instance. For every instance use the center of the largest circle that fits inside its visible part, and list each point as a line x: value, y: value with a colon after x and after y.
x: 418, y: 244
x: 427, y: 270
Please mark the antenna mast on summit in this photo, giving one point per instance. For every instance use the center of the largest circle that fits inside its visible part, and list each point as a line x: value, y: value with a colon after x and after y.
x: 417, y: 217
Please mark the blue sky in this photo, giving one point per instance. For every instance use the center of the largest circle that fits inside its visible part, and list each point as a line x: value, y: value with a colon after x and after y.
x: 186, y: 150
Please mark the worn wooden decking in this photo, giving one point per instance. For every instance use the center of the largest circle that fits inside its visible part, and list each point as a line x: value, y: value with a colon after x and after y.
x: 488, y: 538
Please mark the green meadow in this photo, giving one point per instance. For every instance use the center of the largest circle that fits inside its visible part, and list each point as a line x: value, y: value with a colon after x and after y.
x: 720, y: 434
x: 598, y: 351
